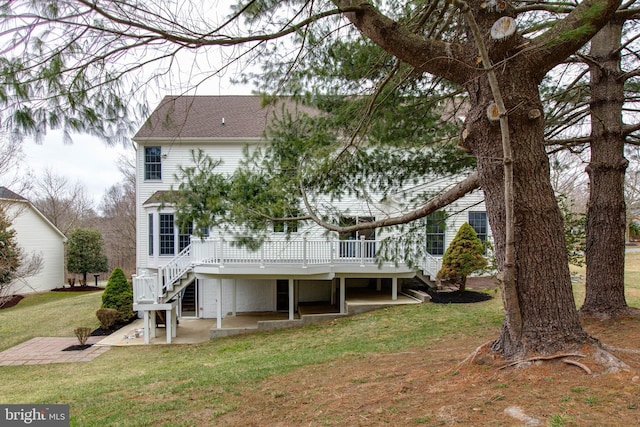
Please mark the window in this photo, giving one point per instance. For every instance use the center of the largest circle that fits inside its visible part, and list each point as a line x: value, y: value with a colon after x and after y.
x: 281, y: 227
x: 152, y: 163
x: 350, y: 245
x: 151, y: 234
x: 184, y: 238
x: 478, y: 220
x: 167, y: 236
x: 435, y: 232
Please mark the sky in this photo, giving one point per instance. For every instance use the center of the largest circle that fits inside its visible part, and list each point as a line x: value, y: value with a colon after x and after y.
x: 94, y: 164
x: 88, y: 160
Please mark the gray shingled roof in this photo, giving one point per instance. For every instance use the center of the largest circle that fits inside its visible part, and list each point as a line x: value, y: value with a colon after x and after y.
x: 202, y: 117
x: 5, y: 193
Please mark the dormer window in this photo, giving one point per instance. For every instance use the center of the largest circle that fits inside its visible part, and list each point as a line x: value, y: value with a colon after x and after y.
x: 152, y: 163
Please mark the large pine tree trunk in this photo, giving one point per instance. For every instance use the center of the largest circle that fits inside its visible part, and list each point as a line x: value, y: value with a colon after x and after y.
x: 540, y: 312
x: 606, y: 208
x: 547, y: 320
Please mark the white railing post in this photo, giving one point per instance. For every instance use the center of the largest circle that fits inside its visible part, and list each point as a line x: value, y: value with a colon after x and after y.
x: 221, y: 252
x: 304, y: 252
x: 362, y: 251
x: 159, y: 287
x: 332, y: 251
x: 262, y: 255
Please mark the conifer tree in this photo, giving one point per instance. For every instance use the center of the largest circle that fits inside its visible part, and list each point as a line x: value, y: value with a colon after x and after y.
x: 463, y: 257
x: 118, y: 295
x: 10, y: 254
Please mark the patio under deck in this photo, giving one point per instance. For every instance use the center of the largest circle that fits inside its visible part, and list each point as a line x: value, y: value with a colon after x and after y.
x: 191, y: 331
x: 308, y: 313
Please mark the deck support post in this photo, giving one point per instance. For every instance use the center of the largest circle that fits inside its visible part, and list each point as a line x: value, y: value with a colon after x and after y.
x: 147, y: 330
x: 291, y: 300
x: 342, y: 294
x: 378, y: 284
x: 171, y: 323
x: 219, y: 305
x: 235, y: 297
x: 394, y: 288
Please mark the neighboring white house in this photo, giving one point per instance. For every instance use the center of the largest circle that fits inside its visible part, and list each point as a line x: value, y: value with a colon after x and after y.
x: 35, y: 234
x: 212, y: 277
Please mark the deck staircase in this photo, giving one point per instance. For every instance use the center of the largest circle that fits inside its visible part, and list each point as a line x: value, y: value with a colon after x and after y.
x: 167, y: 283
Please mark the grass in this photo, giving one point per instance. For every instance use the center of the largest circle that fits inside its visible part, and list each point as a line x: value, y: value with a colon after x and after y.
x: 51, y: 314
x: 171, y: 385
x: 153, y: 384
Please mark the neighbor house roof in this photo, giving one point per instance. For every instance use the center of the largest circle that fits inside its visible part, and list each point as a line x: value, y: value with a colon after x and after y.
x: 213, y: 117
x: 5, y: 193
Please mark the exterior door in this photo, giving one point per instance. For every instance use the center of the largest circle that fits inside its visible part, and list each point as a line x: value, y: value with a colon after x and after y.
x: 189, y: 300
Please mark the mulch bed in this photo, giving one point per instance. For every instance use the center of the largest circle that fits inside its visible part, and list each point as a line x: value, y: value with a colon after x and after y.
x: 457, y: 297
x: 15, y: 299
x: 99, y: 332
x: 77, y: 347
x: 84, y: 288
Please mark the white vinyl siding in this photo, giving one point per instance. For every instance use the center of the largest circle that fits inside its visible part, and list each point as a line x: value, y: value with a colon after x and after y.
x: 35, y: 234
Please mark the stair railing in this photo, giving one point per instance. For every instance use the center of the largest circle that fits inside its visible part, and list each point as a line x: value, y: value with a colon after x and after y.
x: 176, y: 268
x: 431, y: 265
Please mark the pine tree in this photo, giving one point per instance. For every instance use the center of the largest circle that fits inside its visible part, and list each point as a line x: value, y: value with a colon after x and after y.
x: 10, y: 253
x: 463, y: 257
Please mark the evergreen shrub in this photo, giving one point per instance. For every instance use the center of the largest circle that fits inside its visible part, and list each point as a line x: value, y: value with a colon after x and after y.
x: 118, y: 295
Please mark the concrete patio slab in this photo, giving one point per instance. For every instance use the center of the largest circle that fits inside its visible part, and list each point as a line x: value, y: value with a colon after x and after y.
x: 190, y: 331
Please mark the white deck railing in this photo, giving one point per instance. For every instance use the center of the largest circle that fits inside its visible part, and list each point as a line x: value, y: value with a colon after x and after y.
x: 147, y: 289
x: 301, y: 252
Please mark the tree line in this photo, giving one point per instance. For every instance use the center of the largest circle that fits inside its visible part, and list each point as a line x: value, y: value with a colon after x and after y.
x: 69, y: 207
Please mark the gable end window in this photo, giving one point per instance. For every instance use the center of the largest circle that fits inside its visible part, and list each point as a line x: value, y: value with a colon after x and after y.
x: 152, y: 163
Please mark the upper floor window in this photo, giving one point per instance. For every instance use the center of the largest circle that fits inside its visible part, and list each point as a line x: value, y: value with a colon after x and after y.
x: 435, y: 229
x: 152, y: 163
x: 478, y: 220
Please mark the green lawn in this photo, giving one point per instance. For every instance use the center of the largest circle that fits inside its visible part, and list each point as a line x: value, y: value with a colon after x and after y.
x: 51, y: 314
x: 165, y: 385
x: 147, y: 385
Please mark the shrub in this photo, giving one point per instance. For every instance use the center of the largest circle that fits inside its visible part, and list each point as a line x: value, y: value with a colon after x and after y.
x: 107, y: 317
x: 82, y: 334
x: 463, y: 257
x: 119, y: 296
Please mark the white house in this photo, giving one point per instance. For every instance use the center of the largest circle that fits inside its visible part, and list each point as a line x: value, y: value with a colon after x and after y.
x: 35, y: 234
x: 212, y: 277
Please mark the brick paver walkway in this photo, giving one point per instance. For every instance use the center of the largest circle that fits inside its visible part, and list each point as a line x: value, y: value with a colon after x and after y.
x: 44, y: 350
